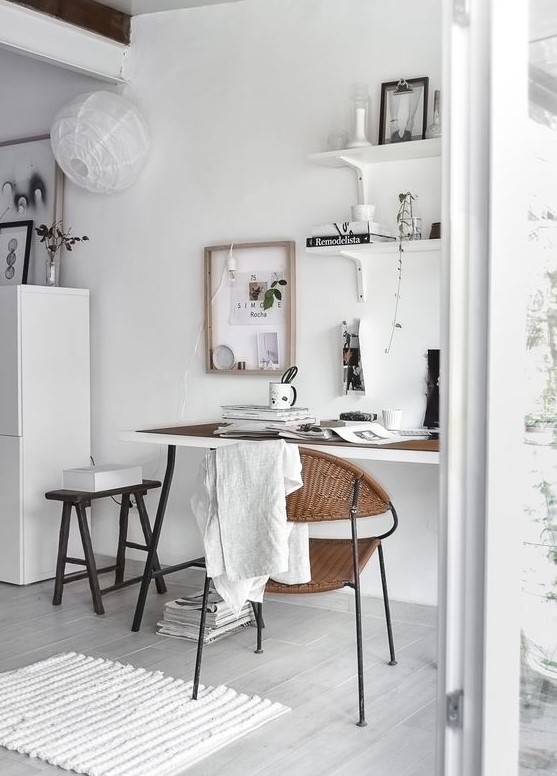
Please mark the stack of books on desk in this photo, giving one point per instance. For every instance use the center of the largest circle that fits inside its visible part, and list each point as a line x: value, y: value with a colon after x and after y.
x: 264, y: 414
x: 182, y: 617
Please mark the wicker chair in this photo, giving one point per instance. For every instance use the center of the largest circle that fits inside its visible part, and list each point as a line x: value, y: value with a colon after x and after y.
x: 335, y: 489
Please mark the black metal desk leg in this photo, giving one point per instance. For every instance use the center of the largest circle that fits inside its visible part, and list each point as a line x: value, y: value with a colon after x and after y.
x: 151, y: 554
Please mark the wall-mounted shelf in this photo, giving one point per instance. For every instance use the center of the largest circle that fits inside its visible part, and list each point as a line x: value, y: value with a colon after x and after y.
x: 392, y: 152
x: 358, y: 253
x: 361, y: 160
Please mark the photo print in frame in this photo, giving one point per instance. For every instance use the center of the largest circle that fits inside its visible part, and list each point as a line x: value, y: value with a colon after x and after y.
x: 403, y: 112
x: 15, y: 246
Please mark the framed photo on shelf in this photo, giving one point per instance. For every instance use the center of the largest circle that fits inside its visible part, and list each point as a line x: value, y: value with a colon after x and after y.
x: 15, y: 246
x: 403, y: 111
x: 250, y: 303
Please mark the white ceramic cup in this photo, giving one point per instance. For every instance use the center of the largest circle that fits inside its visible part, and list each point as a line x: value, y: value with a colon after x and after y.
x: 362, y: 212
x: 281, y: 395
x: 392, y: 419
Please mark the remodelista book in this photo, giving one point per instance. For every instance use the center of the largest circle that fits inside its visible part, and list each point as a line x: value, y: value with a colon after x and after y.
x: 343, y: 228
x: 338, y: 240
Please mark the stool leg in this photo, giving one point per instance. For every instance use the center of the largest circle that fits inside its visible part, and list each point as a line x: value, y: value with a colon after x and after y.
x: 148, y: 534
x: 122, y: 539
x: 89, y: 559
x: 62, y: 553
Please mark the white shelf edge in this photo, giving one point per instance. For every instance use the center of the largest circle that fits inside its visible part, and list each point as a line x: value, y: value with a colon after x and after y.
x: 392, y: 152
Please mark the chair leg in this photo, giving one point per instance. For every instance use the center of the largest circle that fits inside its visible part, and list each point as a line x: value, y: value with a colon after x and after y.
x: 122, y: 539
x: 62, y: 553
x: 393, y: 660
x: 148, y: 535
x: 360, y: 651
x: 257, y: 607
x: 200, y: 638
x: 358, y: 605
x: 89, y: 559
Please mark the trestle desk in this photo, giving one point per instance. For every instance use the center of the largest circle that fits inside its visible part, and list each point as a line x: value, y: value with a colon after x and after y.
x: 422, y: 451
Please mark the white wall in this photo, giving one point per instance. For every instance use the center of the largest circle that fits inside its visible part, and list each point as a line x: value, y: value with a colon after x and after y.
x: 236, y: 97
x: 31, y: 92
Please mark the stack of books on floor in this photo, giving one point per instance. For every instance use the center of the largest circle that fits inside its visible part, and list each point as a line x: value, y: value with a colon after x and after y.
x: 181, y: 618
x: 347, y: 233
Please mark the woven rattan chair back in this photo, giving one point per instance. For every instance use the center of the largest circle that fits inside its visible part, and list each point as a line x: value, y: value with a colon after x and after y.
x: 328, y: 490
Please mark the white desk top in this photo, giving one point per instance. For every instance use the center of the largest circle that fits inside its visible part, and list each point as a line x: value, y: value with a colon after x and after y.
x: 413, y: 451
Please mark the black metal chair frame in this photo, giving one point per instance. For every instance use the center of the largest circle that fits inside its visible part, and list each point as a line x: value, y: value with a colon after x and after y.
x: 258, y: 609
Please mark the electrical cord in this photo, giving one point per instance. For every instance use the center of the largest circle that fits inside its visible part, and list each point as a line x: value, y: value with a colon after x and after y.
x: 229, y: 270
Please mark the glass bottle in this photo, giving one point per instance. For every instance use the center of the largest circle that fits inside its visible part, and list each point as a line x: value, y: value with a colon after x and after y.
x: 434, y: 129
x: 52, y: 268
x: 359, y: 98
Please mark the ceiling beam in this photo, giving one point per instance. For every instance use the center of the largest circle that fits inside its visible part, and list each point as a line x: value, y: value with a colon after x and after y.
x: 88, y: 14
x: 45, y: 38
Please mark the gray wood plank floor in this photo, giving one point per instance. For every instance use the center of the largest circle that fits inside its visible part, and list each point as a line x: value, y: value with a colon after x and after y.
x: 309, y: 664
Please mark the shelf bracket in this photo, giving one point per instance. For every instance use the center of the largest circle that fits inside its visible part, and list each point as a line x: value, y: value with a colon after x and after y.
x: 361, y: 171
x: 359, y: 273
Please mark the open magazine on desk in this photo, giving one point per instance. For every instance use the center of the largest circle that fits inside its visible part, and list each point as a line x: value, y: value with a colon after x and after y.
x: 368, y: 433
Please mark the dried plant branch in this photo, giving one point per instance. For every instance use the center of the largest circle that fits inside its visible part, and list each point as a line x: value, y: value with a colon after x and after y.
x: 405, y: 225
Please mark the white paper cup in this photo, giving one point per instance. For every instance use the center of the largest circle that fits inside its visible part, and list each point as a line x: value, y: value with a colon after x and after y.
x: 392, y: 419
x: 362, y: 212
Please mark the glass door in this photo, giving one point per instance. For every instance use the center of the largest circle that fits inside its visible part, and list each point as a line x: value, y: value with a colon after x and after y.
x: 498, y: 555
x: 538, y: 620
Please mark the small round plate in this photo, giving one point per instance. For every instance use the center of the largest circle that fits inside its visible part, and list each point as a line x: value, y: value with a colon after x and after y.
x: 223, y: 357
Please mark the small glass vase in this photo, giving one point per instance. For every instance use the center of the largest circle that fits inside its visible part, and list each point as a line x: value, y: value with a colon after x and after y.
x: 434, y: 129
x: 52, y: 265
x: 359, y: 99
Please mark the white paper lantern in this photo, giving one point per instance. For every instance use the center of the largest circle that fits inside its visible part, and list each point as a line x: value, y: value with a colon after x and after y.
x: 100, y: 141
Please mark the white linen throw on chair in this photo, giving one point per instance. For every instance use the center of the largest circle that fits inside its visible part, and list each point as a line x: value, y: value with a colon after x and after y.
x: 240, y: 508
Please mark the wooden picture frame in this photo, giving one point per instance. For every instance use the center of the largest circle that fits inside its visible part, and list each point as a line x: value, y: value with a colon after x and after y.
x: 403, y: 112
x: 15, y: 247
x: 250, y: 307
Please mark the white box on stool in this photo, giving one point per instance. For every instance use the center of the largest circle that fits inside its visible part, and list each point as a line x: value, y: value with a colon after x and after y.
x: 107, y: 477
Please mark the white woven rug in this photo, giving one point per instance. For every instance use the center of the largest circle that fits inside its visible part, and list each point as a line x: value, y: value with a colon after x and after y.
x: 102, y: 718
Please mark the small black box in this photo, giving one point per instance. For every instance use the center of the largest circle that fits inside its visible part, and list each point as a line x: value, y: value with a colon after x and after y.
x: 361, y: 416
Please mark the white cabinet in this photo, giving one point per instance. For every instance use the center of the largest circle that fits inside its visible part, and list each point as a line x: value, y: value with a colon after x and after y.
x: 44, y: 419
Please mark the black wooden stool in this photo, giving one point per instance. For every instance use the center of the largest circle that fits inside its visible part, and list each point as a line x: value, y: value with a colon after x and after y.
x: 81, y: 500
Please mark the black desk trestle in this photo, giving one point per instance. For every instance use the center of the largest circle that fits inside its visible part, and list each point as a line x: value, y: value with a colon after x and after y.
x: 152, y: 568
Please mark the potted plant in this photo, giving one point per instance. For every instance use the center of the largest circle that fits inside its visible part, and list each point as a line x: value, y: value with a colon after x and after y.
x: 55, y: 238
x: 273, y: 292
x: 405, y: 229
